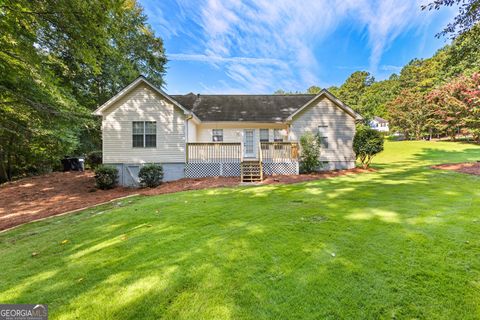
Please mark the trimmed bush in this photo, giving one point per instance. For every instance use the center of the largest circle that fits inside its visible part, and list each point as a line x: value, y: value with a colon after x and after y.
x: 94, y: 159
x: 366, y: 144
x: 151, y: 175
x: 106, y: 177
x: 309, y: 158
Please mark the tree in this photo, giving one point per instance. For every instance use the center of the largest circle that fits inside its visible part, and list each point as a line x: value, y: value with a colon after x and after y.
x: 375, y: 98
x: 449, y: 109
x: 314, y: 90
x: 463, y: 56
x: 366, y: 144
x: 59, y: 60
x: 471, y: 97
x: 423, y: 74
x: 410, y: 114
x: 334, y: 90
x: 457, y: 105
x: 468, y: 16
x: 351, y: 91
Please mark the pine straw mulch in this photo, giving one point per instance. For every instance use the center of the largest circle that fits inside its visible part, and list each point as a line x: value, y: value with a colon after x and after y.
x: 466, y: 167
x: 38, y: 197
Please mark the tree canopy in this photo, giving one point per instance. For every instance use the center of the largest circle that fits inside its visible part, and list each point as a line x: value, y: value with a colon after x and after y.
x: 60, y: 59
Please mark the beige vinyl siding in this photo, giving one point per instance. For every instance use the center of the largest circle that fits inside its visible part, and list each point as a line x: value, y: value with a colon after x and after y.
x: 143, y: 104
x: 192, y: 131
x: 340, y: 130
x: 233, y: 131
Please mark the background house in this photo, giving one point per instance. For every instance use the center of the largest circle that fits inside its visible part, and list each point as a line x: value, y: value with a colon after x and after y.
x: 379, y: 124
x: 221, y: 135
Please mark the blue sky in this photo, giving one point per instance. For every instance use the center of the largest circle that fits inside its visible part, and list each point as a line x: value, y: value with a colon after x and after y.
x: 259, y: 46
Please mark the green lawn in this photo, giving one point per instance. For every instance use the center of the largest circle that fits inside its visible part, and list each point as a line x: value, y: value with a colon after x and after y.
x: 402, y: 242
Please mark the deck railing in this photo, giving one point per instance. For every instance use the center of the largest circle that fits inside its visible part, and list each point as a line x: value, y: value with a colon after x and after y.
x: 220, y: 152
x: 232, y: 152
x: 279, y: 151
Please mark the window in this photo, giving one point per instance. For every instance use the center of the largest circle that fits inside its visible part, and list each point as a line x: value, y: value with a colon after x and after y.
x: 322, y: 136
x: 264, y: 137
x: 144, y: 134
x: 277, y: 135
x: 217, y: 135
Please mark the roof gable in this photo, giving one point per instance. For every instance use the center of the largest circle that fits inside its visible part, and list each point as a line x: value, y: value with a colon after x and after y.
x: 325, y: 93
x: 141, y: 79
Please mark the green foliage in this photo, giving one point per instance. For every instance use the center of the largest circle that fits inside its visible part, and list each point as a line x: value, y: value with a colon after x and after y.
x: 351, y: 91
x: 59, y: 60
x: 366, y: 144
x: 467, y: 17
x: 463, y: 56
x: 411, y: 114
x: 376, y: 97
x: 314, y: 90
x: 310, y: 153
x: 106, y: 177
x: 94, y: 159
x: 151, y: 175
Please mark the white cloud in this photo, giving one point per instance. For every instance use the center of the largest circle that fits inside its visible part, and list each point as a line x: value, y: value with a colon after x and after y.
x: 219, y: 59
x: 265, y: 45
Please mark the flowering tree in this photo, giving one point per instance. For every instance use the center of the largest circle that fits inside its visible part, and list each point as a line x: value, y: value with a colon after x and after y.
x: 471, y: 97
x: 457, y: 105
x: 410, y: 114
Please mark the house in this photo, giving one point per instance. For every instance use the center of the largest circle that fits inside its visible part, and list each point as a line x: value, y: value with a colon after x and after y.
x: 221, y: 135
x: 379, y: 124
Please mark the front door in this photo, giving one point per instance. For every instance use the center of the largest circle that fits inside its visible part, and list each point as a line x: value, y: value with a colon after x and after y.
x: 249, y: 143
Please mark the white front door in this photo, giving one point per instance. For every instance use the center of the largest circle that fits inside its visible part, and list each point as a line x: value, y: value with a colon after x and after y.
x: 249, y: 143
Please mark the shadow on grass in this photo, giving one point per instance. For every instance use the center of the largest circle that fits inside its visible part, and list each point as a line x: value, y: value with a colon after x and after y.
x: 388, y: 243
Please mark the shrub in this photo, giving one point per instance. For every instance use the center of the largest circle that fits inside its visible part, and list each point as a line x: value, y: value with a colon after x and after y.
x: 106, y: 177
x: 94, y: 159
x: 366, y: 144
x: 309, y: 157
x: 151, y: 175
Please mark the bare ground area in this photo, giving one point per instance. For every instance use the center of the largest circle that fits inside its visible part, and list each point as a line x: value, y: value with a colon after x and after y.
x: 466, y: 167
x: 38, y: 197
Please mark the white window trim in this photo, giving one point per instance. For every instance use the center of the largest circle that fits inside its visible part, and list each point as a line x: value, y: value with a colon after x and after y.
x: 213, y: 135
x: 144, y: 146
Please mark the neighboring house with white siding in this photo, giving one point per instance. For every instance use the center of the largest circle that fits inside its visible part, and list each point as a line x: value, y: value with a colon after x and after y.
x: 379, y: 124
x: 221, y: 135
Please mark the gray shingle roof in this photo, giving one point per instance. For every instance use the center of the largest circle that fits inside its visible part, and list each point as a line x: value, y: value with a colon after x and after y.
x: 256, y: 108
x: 380, y: 120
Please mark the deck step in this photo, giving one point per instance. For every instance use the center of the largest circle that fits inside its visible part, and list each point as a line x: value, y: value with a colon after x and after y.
x: 251, y: 171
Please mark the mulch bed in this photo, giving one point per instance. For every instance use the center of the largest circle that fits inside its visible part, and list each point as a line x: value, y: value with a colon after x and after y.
x: 466, y: 167
x: 38, y: 197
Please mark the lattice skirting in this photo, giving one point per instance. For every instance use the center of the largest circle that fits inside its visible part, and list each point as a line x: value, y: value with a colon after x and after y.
x: 215, y: 169
x: 200, y: 170
x: 280, y: 168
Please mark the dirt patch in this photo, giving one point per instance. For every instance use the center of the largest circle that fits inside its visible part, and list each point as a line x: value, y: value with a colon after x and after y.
x: 466, y: 167
x: 55, y: 193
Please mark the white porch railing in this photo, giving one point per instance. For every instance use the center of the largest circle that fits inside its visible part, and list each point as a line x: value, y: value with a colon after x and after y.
x: 279, y: 151
x: 219, y: 152
x: 233, y: 152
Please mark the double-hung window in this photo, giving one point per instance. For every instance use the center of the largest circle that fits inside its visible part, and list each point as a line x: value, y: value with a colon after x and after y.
x: 217, y: 135
x: 144, y: 134
x: 264, y: 137
x: 323, y: 137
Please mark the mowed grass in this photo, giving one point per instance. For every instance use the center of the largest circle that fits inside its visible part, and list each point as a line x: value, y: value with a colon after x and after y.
x: 399, y: 243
